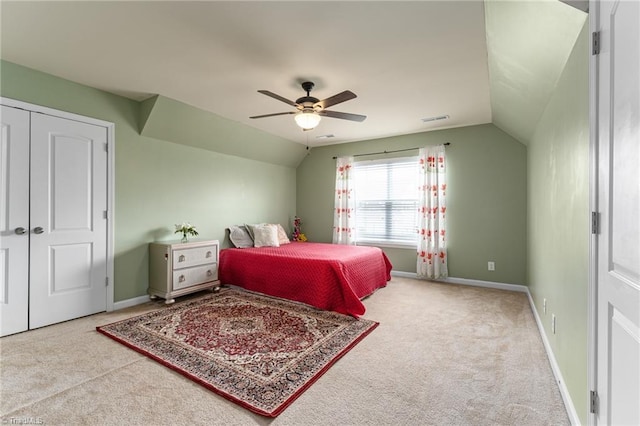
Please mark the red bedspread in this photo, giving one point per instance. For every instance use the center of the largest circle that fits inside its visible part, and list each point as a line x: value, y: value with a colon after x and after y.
x: 333, y: 277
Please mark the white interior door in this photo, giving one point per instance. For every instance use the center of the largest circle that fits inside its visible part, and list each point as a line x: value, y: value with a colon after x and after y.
x: 618, y: 245
x: 14, y: 220
x: 68, y: 266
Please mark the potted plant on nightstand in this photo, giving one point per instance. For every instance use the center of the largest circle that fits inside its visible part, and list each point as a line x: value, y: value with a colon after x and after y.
x: 186, y: 229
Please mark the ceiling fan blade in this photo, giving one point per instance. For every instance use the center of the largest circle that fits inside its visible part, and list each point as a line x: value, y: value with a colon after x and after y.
x: 343, y: 115
x: 273, y: 115
x: 278, y: 97
x: 336, y: 99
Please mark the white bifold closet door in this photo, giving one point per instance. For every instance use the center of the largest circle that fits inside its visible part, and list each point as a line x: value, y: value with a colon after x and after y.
x: 62, y: 273
x: 14, y: 221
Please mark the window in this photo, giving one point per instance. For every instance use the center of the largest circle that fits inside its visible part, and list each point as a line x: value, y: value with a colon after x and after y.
x: 386, y: 201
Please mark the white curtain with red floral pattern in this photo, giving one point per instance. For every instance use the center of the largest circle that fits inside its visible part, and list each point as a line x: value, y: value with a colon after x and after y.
x: 344, y: 213
x: 432, y: 207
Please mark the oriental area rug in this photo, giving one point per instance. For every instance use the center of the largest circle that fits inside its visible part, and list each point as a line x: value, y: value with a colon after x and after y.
x: 258, y: 351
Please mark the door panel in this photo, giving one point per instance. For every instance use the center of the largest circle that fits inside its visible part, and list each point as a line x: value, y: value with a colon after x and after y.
x: 625, y: 363
x: 71, y: 267
x: 625, y: 150
x: 14, y: 214
x: 618, y: 245
x: 70, y: 188
x: 68, y: 200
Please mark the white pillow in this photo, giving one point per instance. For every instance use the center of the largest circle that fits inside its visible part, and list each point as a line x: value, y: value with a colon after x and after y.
x: 282, y: 235
x: 265, y: 236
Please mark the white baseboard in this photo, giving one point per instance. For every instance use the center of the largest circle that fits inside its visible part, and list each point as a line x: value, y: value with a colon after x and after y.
x: 488, y: 284
x: 403, y: 274
x: 566, y: 397
x: 466, y: 281
x: 130, y: 302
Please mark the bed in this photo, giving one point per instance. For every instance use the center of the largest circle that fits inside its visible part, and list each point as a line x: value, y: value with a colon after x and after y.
x: 332, y: 277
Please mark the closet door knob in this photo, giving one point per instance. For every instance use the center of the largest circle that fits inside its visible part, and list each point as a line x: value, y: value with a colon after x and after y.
x: 38, y: 230
x: 20, y: 231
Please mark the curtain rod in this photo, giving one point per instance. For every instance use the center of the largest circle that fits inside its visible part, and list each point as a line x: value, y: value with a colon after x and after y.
x: 389, y: 152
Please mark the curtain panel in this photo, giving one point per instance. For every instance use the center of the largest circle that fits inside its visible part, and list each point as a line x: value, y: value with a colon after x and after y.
x: 344, y: 213
x: 432, y: 207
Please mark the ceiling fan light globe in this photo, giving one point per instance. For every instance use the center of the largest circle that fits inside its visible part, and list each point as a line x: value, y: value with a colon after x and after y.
x: 307, y: 120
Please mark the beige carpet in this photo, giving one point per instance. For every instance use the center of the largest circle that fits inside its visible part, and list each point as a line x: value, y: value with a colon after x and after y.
x: 442, y: 355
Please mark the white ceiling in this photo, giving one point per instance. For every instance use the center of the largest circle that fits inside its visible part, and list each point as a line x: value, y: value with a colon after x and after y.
x: 405, y: 60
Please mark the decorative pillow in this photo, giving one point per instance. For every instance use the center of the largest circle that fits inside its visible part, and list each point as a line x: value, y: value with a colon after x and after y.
x: 265, y: 235
x: 282, y: 235
x: 240, y: 237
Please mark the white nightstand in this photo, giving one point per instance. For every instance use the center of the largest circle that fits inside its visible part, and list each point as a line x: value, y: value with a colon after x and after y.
x: 177, y: 268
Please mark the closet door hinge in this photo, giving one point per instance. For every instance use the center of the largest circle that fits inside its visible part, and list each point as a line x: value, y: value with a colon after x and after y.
x: 593, y: 402
x: 595, y: 43
x: 106, y: 147
x: 595, y: 223
x: 106, y: 281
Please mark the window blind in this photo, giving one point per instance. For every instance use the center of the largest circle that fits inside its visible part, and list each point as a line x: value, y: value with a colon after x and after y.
x: 386, y: 201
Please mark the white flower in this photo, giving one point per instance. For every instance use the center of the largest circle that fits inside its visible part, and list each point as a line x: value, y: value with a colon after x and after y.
x: 186, y: 229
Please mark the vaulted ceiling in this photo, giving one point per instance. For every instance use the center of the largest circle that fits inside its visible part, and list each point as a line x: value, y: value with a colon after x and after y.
x: 473, y: 61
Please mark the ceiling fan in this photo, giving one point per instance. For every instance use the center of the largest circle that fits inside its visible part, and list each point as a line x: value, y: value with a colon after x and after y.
x: 310, y: 109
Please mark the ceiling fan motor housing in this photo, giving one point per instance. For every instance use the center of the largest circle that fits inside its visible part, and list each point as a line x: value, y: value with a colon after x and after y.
x: 307, y: 101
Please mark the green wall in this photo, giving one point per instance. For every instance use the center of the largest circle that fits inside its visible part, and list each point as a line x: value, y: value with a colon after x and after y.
x: 486, y: 202
x: 168, y: 119
x: 558, y: 226
x: 160, y: 183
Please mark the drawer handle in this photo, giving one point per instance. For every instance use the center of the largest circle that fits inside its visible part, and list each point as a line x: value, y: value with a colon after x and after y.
x: 181, y: 279
x: 209, y: 272
x: 181, y: 258
x: 209, y: 254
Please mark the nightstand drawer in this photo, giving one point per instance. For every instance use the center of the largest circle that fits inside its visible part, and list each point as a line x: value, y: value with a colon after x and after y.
x: 191, y: 276
x: 188, y: 257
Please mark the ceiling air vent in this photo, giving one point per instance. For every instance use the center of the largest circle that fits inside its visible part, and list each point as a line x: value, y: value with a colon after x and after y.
x: 440, y: 117
x: 325, y: 137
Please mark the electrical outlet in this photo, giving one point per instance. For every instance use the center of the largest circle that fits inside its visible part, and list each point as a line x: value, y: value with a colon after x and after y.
x: 544, y: 305
x: 491, y: 266
x: 553, y: 323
